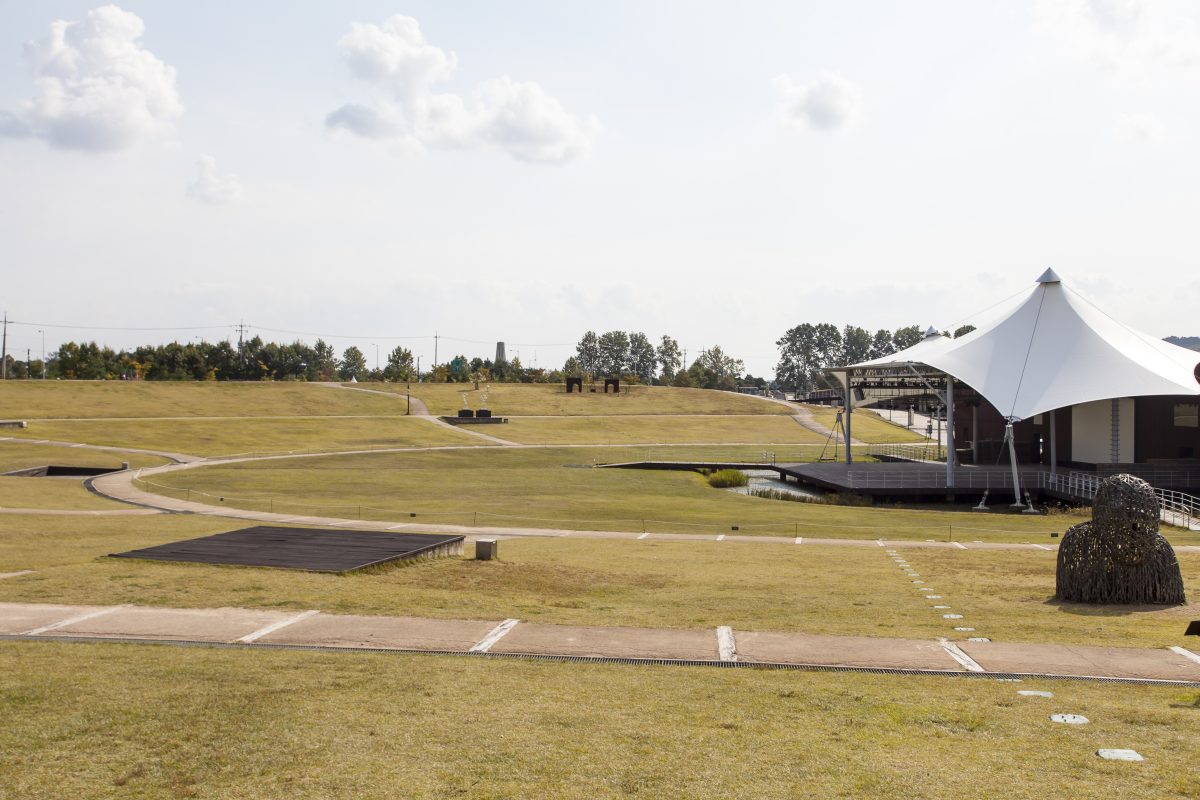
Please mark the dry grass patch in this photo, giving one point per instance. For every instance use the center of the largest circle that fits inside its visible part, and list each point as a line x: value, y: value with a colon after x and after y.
x: 220, y: 437
x: 658, y: 429
x: 103, y: 720
x: 16, y: 455
x: 52, y: 493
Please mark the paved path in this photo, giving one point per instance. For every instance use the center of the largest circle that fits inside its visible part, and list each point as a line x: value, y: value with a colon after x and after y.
x: 421, y: 411
x: 723, y: 645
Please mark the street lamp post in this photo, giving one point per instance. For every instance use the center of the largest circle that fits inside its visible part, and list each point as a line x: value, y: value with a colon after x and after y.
x: 43, y: 333
x: 377, y: 358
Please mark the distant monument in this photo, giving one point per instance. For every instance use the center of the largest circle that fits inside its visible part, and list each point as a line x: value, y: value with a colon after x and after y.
x: 500, y: 358
x: 1119, y: 557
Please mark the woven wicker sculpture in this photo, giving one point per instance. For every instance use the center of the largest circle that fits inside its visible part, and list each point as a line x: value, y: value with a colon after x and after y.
x: 1119, y: 557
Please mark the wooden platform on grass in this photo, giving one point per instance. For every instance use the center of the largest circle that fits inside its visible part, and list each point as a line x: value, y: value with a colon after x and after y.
x: 315, y: 550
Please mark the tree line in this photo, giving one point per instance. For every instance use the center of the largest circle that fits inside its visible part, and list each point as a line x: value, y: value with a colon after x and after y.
x: 807, y: 350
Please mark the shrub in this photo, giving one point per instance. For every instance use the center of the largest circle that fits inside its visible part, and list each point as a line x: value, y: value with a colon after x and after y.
x: 779, y: 494
x: 727, y: 478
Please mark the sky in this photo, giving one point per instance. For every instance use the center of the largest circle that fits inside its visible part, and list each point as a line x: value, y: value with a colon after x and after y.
x: 378, y: 172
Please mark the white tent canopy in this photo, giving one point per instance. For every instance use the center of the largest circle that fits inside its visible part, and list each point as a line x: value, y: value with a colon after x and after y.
x: 1051, y: 350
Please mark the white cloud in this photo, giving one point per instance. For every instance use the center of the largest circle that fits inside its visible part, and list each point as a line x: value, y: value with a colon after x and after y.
x: 212, y: 186
x: 1127, y: 36
x: 826, y: 103
x: 520, y: 118
x: 1140, y: 128
x: 95, y: 87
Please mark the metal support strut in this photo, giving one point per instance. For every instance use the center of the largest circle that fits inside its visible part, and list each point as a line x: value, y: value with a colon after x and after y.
x: 1012, y: 456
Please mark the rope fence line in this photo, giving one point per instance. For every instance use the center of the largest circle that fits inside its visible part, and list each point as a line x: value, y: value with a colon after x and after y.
x: 474, y: 518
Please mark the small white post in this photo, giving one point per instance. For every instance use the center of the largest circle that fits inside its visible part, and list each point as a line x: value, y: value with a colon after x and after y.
x: 1012, y: 456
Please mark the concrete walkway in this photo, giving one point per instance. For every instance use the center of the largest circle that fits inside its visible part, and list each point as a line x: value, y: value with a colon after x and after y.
x: 513, y: 637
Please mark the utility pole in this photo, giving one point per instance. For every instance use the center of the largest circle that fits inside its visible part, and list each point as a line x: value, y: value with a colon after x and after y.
x: 241, y: 329
x: 435, y: 344
x: 4, y: 351
x: 43, y: 333
x: 28, y: 364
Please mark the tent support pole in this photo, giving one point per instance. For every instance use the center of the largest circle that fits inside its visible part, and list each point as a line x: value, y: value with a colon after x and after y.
x: 1053, y: 444
x: 1012, y: 457
x: 849, y: 412
x: 949, y: 432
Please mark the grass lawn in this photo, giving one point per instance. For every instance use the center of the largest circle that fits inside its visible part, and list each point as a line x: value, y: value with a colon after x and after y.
x: 55, y: 399
x: 52, y: 493
x: 19, y: 455
x: 523, y: 399
x: 554, y: 487
x: 767, y: 587
x: 220, y: 437
x: 628, y: 429
x: 867, y: 426
x: 108, y: 720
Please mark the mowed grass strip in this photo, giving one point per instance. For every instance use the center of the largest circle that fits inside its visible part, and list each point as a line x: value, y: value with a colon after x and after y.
x: 525, y: 399
x: 1009, y: 596
x: 16, y: 455
x: 557, y: 487
x: 104, y: 720
x: 866, y: 426
x: 91, y: 399
x: 659, y: 429
x: 221, y: 437
x: 52, y: 493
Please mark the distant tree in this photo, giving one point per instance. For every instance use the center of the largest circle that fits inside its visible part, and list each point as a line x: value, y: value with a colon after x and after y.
x: 459, y: 370
x: 963, y: 330
x: 642, y: 359
x: 353, y: 364
x: 571, y: 368
x: 670, y: 359
x: 806, y: 350
x: 881, y: 344
x: 856, y: 346
x: 713, y: 369
x: 588, y: 351
x: 904, y: 338
x: 323, y: 366
x: 614, y: 353
x: 683, y: 379
x: 399, y: 365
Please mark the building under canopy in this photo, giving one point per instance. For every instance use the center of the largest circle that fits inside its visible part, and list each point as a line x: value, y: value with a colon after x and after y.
x: 1048, y: 378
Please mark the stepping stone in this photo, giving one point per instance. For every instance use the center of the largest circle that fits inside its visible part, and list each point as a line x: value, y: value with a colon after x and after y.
x: 1069, y: 719
x: 978, y: 638
x: 21, y: 617
x: 699, y: 645
x: 1034, y: 693
x: 396, y: 633
x: 964, y: 630
x: 183, y: 624
x: 1084, y: 660
x: 952, y: 616
x: 847, y: 651
x: 1119, y: 755
x: 940, y: 607
x: 933, y: 597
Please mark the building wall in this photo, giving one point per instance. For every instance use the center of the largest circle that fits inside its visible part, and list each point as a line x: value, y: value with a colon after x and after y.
x: 1092, y: 432
x: 1158, y: 437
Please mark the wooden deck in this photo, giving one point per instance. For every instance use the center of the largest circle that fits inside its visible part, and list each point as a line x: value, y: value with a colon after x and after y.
x: 316, y: 550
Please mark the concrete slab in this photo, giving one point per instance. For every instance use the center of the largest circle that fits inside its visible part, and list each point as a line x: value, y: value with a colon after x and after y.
x: 186, y: 624
x: 614, y: 642
x: 1061, y: 659
x: 402, y: 633
x: 845, y: 651
x: 22, y: 617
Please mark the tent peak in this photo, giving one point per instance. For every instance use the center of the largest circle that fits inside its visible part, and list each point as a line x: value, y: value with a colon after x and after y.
x: 932, y: 331
x: 1049, y: 276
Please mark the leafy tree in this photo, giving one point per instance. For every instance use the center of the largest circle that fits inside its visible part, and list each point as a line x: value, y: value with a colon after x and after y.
x: 856, y: 346
x: 459, y: 370
x: 963, y: 330
x: 323, y: 366
x: 713, y: 369
x: 588, y: 351
x: 614, y: 353
x: 353, y: 364
x: 806, y: 350
x: 642, y: 358
x: 906, y: 337
x: 881, y: 344
x: 571, y: 368
x: 669, y: 357
x: 399, y: 365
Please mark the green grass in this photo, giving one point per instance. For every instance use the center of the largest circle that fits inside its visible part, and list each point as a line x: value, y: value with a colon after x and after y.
x: 104, y: 720
x: 866, y: 426
x: 52, y: 493
x: 218, y: 437
x: 73, y: 399
x: 523, y: 399
x: 19, y: 455
x: 556, y: 488
x: 628, y: 429
x: 654, y: 584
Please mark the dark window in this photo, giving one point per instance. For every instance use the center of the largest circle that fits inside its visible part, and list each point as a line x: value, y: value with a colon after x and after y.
x: 1187, y: 415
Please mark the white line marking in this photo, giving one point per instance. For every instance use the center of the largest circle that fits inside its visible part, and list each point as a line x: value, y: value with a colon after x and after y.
x: 16, y: 574
x: 72, y: 620
x: 1043, y: 547
x: 959, y: 545
x: 958, y: 655
x: 496, y: 634
x: 726, y: 646
x: 879, y: 542
x: 644, y: 535
x: 401, y: 525
x: 799, y: 540
x: 1188, y: 654
x: 274, y: 626
x: 721, y: 538
x: 568, y: 533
